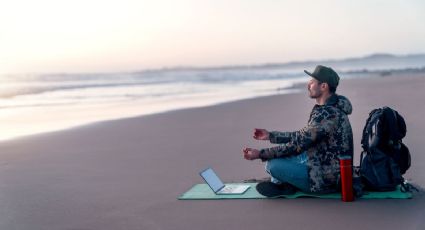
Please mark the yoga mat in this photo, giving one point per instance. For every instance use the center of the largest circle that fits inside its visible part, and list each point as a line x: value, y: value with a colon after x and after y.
x: 204, y: 192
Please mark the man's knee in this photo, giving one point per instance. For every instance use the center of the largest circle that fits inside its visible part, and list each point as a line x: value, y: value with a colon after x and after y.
x: 272, y: 166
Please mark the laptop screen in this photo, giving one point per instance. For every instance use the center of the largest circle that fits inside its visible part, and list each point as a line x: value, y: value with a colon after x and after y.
x: 212, y: 179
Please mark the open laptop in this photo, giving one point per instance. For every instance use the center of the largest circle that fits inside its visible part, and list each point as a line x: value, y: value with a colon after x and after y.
x: 217, y: 185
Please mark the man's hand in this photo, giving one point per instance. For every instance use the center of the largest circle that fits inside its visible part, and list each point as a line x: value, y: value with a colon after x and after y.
x: 251, y: 154
x: 261, y: 134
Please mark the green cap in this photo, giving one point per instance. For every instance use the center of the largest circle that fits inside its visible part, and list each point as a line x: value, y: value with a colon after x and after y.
x: 325, y: 74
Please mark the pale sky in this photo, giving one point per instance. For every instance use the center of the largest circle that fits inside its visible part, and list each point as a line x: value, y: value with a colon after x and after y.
x: 44, y: 36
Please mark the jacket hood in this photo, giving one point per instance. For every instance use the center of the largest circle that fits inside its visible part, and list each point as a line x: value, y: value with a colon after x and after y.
x: 341, y: 103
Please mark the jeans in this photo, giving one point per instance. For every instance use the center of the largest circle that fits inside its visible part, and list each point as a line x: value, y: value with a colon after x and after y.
x: 290, y: 169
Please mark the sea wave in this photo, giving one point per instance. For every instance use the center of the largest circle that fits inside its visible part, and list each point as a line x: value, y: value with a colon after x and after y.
x: 38, y: 84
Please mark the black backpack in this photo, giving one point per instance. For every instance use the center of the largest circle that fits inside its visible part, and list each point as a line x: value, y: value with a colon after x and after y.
x: 384, y: 158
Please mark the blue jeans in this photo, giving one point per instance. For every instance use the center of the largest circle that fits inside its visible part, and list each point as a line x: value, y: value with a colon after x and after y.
x: 290, y: 169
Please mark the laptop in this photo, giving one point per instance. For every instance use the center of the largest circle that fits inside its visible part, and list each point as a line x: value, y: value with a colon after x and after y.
x: 217, y: 185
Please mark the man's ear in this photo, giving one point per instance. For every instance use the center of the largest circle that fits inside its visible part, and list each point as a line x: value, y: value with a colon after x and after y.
x: 324, y: 86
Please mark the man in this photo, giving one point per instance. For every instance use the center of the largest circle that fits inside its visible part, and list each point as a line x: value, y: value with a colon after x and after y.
x: 308, y: 159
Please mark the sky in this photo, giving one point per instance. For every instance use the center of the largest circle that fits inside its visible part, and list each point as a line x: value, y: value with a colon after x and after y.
x: 51, y: 36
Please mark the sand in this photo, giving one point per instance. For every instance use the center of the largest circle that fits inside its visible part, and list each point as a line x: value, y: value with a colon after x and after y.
x: 127, y: 174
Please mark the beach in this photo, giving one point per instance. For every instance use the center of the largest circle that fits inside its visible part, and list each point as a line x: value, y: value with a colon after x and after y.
x: 128, y: 173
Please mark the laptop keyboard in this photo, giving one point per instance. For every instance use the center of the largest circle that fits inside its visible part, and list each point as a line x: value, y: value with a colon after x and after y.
x: 227, y: 188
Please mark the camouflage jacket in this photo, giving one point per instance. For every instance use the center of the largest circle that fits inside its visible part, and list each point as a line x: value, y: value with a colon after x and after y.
x: 327, y: 136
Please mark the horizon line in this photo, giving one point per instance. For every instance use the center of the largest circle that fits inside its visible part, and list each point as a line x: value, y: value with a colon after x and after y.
x: 230, y: 66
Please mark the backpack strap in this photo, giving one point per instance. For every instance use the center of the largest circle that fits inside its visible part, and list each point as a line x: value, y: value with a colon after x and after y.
x: 405, y: 186
x: 367, y: 130
x: 361, y: 158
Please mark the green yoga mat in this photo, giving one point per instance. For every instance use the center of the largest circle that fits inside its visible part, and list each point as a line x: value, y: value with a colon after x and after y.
x: 204, y: 192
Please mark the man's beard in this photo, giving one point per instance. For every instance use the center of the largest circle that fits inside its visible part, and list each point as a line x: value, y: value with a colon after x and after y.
x: 314, y: 96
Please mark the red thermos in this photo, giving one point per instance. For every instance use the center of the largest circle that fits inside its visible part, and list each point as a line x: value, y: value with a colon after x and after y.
x: 345, y: 164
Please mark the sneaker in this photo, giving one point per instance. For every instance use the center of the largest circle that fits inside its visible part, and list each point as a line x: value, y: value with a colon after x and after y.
x: 255, y: 180
x: 270, y: 189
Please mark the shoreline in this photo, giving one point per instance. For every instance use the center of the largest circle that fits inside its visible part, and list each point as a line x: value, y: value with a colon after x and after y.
x: 16, y: 127
x: 297, y: 88
x: 291, y: 90
x: 30, y: 120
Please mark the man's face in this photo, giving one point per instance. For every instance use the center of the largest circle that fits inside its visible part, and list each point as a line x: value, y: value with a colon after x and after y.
x: 314, y: 89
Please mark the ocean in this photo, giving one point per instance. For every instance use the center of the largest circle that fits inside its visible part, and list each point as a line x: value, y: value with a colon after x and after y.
x: 39, y: 103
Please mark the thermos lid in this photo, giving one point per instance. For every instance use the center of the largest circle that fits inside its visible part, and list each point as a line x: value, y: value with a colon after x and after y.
x: 345, y: 157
